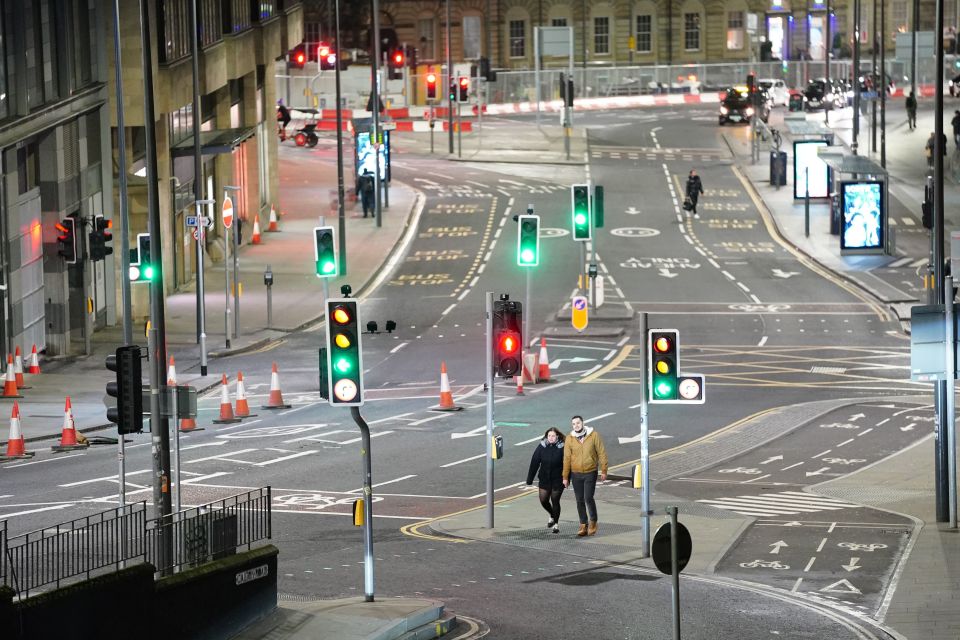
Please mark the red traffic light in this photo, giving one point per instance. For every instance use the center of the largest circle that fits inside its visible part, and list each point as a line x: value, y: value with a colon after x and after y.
x: 398, y: 58
x: 509, y: 344
x: 431, y: 78
x: 62, y: 229
x: 323, y: 51
x: 662, y: 344
x: 464, y: 81
x: 301, y: 58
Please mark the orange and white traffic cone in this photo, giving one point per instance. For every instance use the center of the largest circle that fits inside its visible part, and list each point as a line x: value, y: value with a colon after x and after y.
x: 275, y: 401
x: 68, y: 435
x: 34, y: 367
x: 273, y: 225
x: 172, y: 373
x: 256, y: 230
x: 10, y: 382
x: 15, y: 445
x: 243, y: 407
x: 519, y: 380
x: 446, y: 396
x: 543, y: 374
x: 18, y: 369
x: 226, y: 409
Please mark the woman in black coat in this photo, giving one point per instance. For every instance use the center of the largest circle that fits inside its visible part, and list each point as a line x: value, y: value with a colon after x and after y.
x: 694, y: 189
x: 548, y: 458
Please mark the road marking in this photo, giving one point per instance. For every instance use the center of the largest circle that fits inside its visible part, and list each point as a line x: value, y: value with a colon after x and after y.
x: 314, y: 436
x: 26, y: 464
x: 865, y: 432
x: 113, y: 477
x: 820, y: 455
x: 23, y: 513
x: 220, y: 456
x: 372, y: 435
x: 782, y: 503
x: 537, y: 439
x: 845, y: 442
x: 451, y: 464
x: 822, y: 544
x: 796, y: 585
x: 796, y: 464
x: 600, y: 417
x: 380, y: 484
x: 309, y: 404
x: 809, y: 564
x: 282, y: 458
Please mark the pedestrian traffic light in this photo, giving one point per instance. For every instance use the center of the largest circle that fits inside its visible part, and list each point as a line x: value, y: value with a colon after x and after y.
x: 528, y: 241
x: 431, y: 86
x: 67, y: 239
x: 99, y: 236
x: 324, y: 252
x: 127, y: 389
x: 580, y: 205
x: 463, y: 87
x: 297, y: 57
x: 507, y: 336
x: 664, y: 362
x: 597, y: 206
x: 344, y: 363
x: 396, y: 64
x: 142, y: 269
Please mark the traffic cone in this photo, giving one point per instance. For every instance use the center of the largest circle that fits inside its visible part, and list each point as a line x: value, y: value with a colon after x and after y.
x: 68, y: 435
x: 256, y: 230
x: 519, y: 379
x: 15, y: 445
x: 544, y: 373
x: 275, y: 401
x: 446, y: 396
x: 34, y: 367
x: 18, y: 369
x: 243, y: 408
x: 172, y: 373
x: 273, y: 225
x: 10, y: 382
x: 226, y: 409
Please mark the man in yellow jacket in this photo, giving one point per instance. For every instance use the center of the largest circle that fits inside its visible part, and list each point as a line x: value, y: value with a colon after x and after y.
x: 584, y: 457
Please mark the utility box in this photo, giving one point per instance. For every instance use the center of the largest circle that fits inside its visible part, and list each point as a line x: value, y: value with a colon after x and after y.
x: 778, y: 168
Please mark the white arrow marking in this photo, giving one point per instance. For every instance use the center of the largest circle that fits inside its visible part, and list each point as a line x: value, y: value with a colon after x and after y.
x: 840, y: 586
x: 638, y: 437
x: 772, y: 459
x: 793, y: 524
x: 574, y: 360
x: 778, y: 545
x: 468, y: 434
x: 856, y: 417
x: 633, y: 211
x: 424, y: 181
x: 818, y: 472
x: 666, y: 273
x: 780, y: 273
x: 853, y: 566
x: 520, y: 184
x: 909, y: 427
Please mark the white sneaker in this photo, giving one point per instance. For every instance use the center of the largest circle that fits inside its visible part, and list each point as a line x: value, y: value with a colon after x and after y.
x: 556, y: 528
x: 550, y: 523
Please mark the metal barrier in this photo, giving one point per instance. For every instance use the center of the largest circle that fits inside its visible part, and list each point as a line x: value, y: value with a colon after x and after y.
x: 109, y: 540
x: 82, y: 547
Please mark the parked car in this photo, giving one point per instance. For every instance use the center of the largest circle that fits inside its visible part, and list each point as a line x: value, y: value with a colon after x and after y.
x: 737, y: 106
x: 778, y: 90
x: 821, y: 94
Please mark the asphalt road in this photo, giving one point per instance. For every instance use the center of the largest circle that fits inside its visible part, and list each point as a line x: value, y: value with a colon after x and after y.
x: 767, y: 326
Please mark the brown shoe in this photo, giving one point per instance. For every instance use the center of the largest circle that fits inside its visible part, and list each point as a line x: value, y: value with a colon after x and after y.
x: 582, y: 531
x: 592, y: 529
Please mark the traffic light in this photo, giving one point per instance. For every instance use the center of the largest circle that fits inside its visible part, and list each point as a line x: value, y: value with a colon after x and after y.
x: 297, y: 57
x: 67, y: 239
x: 344, y: 363
x: 463, y: 88
x: 580, y: 206
x: 751, y: 83
x: 99, y: 236
x: 142, y: 269
x: 127, y: 389
x: 431, y: 86
x: 396, y: 64
x: 598, y: 206
x: 528, y: 241
x: 485, y: 71
x: 324, y: 252
x: 326, y: 57
x: 507, y: 337
x: 664, y: 363
x: 566, y: 89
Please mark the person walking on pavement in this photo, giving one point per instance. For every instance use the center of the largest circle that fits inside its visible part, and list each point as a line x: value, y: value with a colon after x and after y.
x: 956, y: 129
x: 548, y: 459
x: 694, y: 189
x: 929, y: 147
x: 584, y: 460
x: 365, y: 188
x: 911, y: 111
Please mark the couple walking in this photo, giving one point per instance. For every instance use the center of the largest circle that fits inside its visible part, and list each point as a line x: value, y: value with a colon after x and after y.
x: 579, y: 459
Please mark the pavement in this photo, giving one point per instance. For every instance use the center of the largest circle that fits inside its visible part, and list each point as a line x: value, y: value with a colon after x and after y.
x: 924, y: 605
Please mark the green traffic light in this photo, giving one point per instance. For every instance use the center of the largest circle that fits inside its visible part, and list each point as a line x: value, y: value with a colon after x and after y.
x: 580, y: 219
x: 663, y: 389
x: 527, y: 256
x: 343, y: 365
x: 326, y: 267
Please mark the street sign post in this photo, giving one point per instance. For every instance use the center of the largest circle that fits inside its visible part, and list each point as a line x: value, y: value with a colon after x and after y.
x: 671, y: 553
x: 578, y: 312
x: 227, y: 212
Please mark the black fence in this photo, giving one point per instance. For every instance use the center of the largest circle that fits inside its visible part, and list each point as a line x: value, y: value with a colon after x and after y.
x: 123, y: 536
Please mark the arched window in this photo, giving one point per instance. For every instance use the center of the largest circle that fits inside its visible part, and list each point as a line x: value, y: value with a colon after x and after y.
x: 517, y: 22
x: 693, y: 25
x: 602, y: 30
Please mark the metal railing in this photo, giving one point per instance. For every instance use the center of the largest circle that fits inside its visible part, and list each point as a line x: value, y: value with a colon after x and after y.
x: 123, y: 536
x: 82, y: 547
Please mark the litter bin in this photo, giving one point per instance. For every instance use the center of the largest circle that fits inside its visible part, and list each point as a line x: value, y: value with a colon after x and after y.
x: 835, y: 214
x: 778, y: 168
x: 796, y: 102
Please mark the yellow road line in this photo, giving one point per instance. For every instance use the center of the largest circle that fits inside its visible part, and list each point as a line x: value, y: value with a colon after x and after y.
x: 610, y: 366
x: 413, y: 530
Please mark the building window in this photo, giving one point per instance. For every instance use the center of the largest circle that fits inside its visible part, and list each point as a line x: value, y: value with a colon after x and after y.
x: 471, y: 37
x: 645, y: 33
x: 175, y: 25
x: 691, y: 31
x: 426, y: 31
x: 180, y: 125
x: 518, y: 38
x: 28, y: 167
x: 558, y: 22
x: 211, y: 23
x: 601, y: 35
x: 236, y: 16
x: 898, y: 14
x: 735, y: 33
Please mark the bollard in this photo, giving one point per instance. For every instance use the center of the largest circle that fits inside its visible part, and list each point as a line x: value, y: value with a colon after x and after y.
x: 268, y: 281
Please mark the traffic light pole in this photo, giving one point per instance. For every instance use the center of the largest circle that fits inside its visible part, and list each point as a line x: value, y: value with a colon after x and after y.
x: 341, y: 212
x: 367, y: 504
x: 644, y: 443
x: 124, y: 210
x: 490, y: 399
x: 940, y: 444
x: 235, y: 232
x: 449, y: 80
x: 951, y: 408
x: 375, y: 103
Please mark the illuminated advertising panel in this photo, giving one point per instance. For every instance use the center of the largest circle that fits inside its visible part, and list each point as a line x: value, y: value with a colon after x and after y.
x: 805, y: 157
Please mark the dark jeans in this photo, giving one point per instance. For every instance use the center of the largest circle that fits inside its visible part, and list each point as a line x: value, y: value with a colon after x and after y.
x: 693, y: 201
x: 366, y: 199
x: 550, y: 501
x: 584, y: 485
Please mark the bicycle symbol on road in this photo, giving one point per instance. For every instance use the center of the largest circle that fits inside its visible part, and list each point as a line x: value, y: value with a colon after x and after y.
x: 842, y: 460
x: 315, y: 501
x: 750, y: 472
x: 856, y: 546
x: 759, y: 308
x: 765, y: 564
x: 839, y: 425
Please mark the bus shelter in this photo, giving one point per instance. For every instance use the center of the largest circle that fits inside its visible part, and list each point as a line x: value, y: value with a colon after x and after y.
x: 859, y: 195
x: 811, y: 175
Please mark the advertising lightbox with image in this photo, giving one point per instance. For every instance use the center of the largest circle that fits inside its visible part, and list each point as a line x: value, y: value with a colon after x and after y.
x: 805, y: 157
x: 862, y: 206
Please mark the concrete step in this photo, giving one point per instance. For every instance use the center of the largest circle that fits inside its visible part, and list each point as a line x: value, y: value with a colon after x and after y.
x: 431, y: 630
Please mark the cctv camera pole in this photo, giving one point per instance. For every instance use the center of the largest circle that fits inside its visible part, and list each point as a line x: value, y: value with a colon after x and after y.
x: 856, y: 76
x: 450, y: 87
x: 375, y: 107
x: 940, y: 441
x: 341, y: 213
x: 883, y: 95
x: 490, y: 399
x: 159, y: 426
x: 913, y: 47
x: 878, y: 82
x: 200, y: 229
x: 644, y: 443
x: 826, y: 59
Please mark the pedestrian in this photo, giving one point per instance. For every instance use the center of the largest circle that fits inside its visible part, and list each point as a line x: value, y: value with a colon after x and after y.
x: 548, y: 459
x: 365, y: 188
x: 928, y: 149
x: 283, y: 115
x: 911, y: 111
x: 956, y: 129
x: 584, y: 460
x: 694, y: 189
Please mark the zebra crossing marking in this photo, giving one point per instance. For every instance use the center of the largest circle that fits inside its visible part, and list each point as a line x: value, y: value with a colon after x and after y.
x: 782, y: 503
